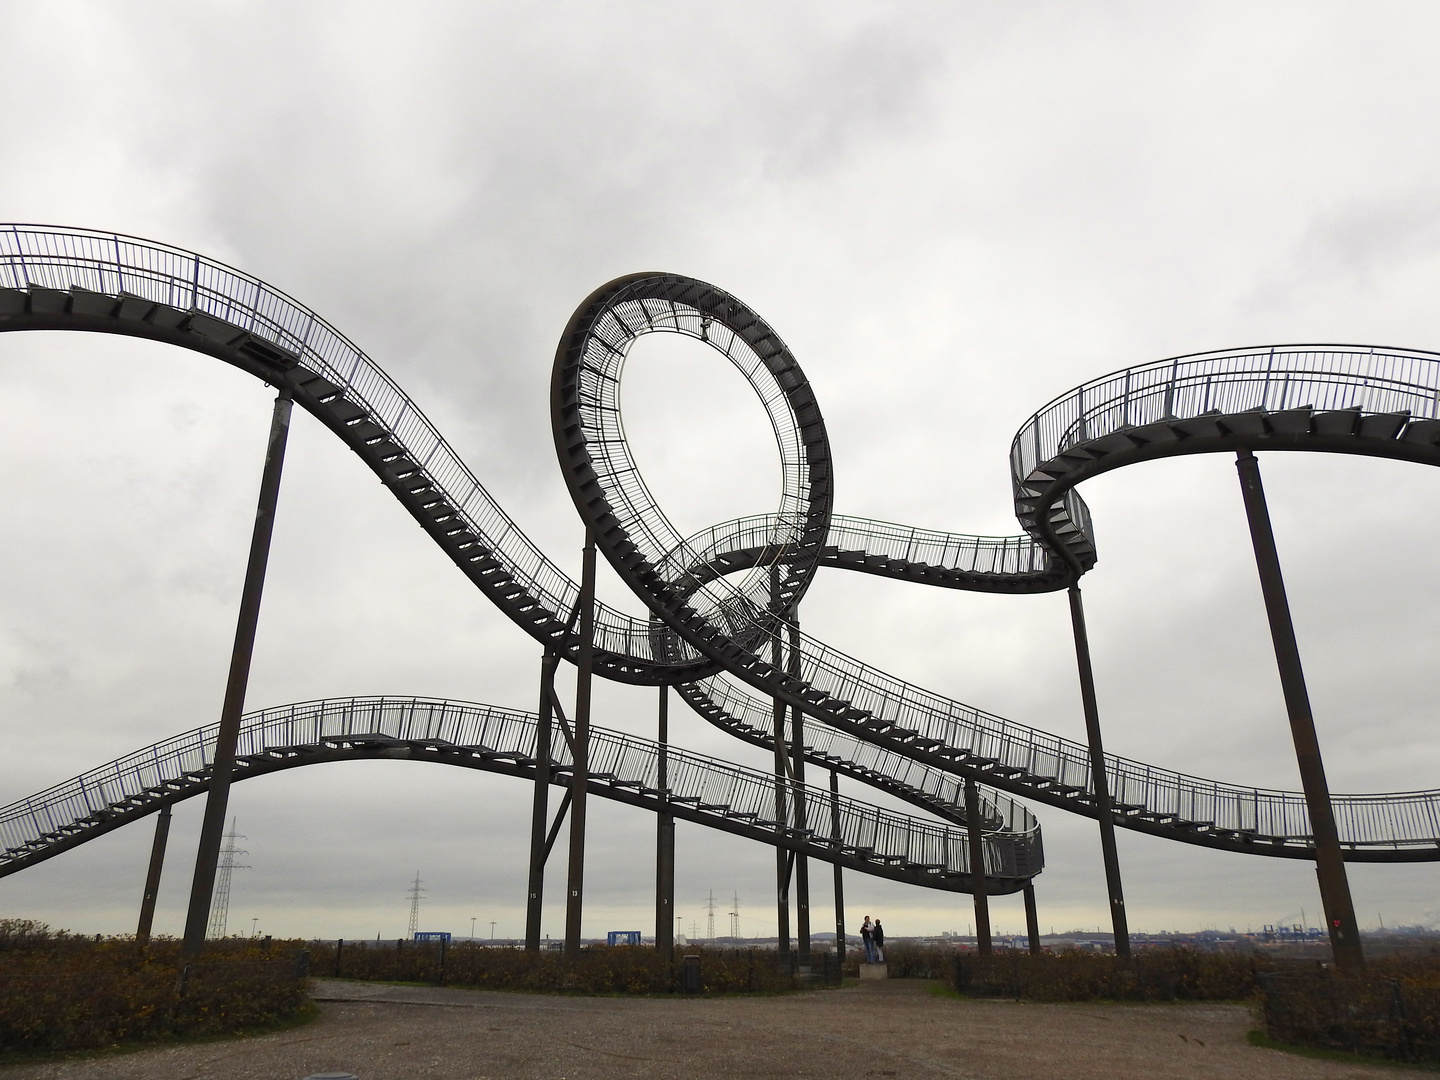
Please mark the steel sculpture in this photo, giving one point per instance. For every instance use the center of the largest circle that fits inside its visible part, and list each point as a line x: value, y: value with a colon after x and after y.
x: 718, y: 632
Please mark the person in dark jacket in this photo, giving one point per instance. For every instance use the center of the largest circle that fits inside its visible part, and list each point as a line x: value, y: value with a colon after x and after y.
x: 877, y: 939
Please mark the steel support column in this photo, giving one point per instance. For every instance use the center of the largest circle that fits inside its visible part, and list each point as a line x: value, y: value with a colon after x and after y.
x: 839, y: 880
x: 1099, y: 780
x: 1032, y: 919
x: 152, y: 877
x: 580, y: 778
x: 1329, y: 861
x: 664, y: 841
x: 783, y: 859
x: 977, y: 867
x: 540, y: 807
x: 222, y: 766
x: 797, y: 770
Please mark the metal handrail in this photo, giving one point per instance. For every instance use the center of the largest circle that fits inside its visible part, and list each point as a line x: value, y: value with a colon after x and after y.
x: 717, y: 788
x: 1001, y: 556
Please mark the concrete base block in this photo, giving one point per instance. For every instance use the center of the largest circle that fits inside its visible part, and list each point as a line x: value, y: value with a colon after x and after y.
x: 874, y: 971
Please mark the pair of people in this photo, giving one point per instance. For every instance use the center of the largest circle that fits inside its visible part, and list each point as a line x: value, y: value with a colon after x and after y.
x: 873, y: 935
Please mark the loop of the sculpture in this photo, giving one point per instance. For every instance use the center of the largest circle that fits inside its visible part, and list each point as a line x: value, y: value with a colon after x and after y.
x: 651, y: 556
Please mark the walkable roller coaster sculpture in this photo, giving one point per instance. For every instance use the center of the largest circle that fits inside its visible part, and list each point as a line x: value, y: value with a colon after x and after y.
x: 724, y: 628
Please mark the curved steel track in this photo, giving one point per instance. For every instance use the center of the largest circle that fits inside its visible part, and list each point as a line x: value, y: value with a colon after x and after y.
x: 719, y: 601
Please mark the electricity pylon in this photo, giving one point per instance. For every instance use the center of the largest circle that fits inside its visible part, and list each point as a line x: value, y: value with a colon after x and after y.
x: 415, y: 893
x: 220, y: 903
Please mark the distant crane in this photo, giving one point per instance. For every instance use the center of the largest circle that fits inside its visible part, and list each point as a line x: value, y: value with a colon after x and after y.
x: 220, y: 905
x: 415, y: 893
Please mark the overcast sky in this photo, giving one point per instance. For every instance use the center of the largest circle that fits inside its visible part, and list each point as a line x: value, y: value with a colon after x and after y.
x: 951, y: 212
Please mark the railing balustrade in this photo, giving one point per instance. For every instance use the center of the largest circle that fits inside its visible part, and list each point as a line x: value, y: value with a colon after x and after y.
x: 450, y: 727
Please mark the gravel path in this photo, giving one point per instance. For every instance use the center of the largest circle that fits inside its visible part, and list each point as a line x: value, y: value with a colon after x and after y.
x: 873, y: 1030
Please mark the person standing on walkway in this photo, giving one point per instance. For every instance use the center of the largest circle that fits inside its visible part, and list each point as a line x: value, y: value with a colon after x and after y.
x: 865, y: 936
x: 877, y: 938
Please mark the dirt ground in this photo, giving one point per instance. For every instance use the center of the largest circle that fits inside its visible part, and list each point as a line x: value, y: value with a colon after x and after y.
x: 897, y: 1029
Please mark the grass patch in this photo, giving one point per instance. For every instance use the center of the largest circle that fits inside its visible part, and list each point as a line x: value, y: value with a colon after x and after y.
x: 1256, y: 1037
x: 305, y: 1015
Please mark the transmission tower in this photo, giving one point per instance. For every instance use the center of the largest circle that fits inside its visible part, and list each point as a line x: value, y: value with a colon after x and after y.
x: 735, y: 917
x: 220, y: 902
x: 415, y: 893
x: 710, y: 917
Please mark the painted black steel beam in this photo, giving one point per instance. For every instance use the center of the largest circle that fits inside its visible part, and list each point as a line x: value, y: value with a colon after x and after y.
x: 152, y: 877
x: 664, y: 838
x: 580, y: 773
x: 976, y: 839
x: 1329, y: 860
x: 1099, y: 781
x: 540, y: 808
x: 212, y: 827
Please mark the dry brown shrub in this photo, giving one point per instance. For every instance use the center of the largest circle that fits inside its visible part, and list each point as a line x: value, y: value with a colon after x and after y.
x: 621, y: 969
x: 60, y: 991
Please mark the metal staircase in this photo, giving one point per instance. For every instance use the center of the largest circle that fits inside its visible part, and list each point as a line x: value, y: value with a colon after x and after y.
x: 710, y: 618
x: 704, y: 790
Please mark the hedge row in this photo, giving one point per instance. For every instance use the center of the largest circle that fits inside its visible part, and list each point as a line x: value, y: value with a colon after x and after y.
x: 1150, y: 975
x: 609, y: 970
x: 1392, y: 1010
x: 60, y: 991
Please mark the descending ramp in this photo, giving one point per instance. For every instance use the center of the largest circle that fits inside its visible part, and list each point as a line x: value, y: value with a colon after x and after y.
x: 704, y: 790
x: 720, y: 603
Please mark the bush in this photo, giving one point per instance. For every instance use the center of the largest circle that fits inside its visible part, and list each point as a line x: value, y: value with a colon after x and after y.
x: 59, y: 991
x: 1392, y: 1009
x: 1151, y: 975
x: 621, y: 969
